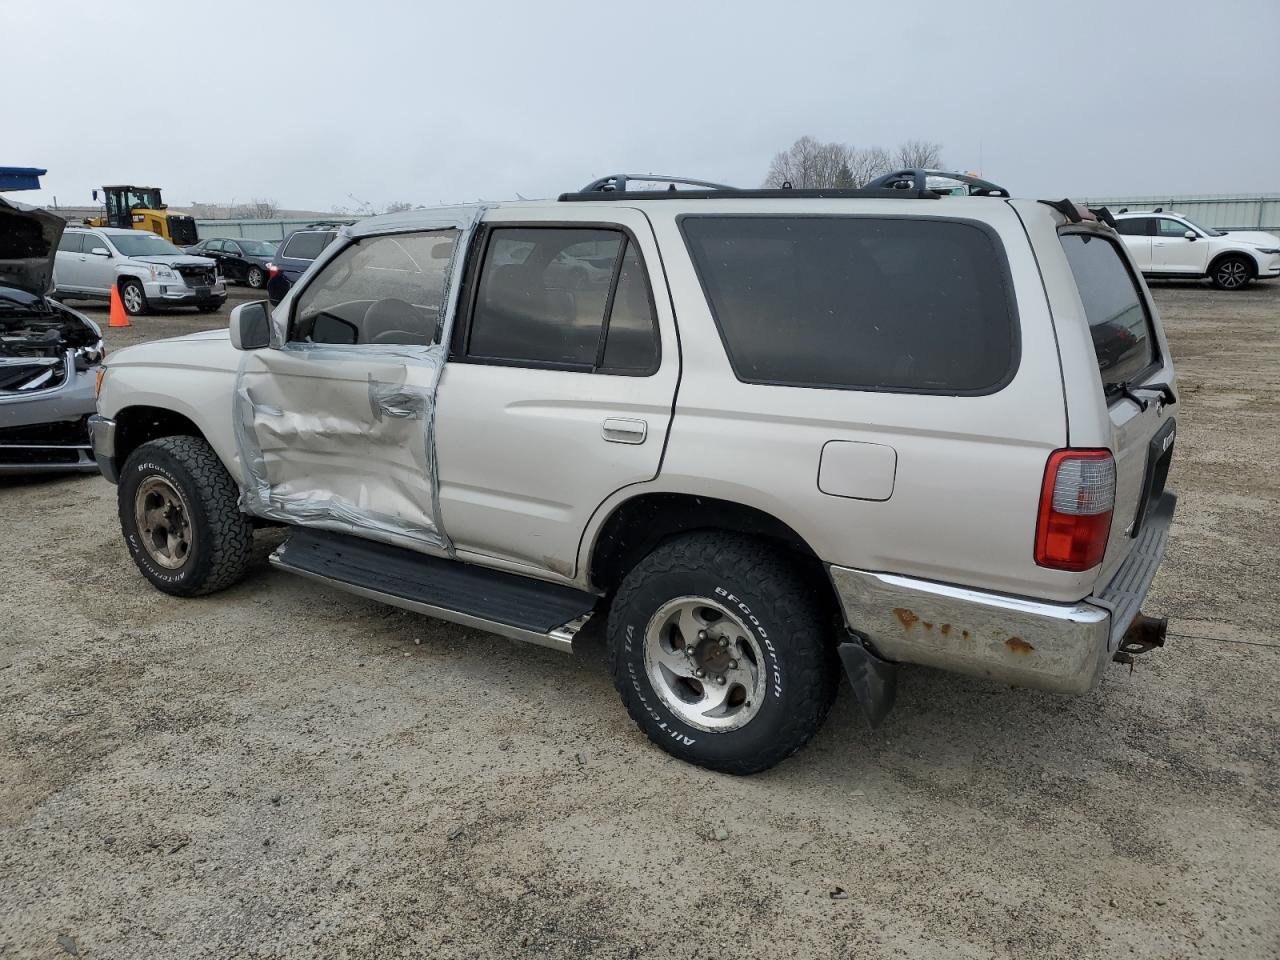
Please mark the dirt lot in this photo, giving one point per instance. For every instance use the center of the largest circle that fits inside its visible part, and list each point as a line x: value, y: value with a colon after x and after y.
x: 279, y: 771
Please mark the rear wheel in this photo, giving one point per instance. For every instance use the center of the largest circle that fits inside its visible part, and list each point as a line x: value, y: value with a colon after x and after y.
x: 257, y: 278
x: 722, y: 652
x: 180, y: 514
x: 134, y: 298
x: 1231, y: 273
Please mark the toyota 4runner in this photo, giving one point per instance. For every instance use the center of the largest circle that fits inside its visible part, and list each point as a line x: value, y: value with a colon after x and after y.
x: 769, y: 434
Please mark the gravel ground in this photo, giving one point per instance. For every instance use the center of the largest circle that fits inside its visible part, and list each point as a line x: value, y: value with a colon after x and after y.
x: 280, y: 771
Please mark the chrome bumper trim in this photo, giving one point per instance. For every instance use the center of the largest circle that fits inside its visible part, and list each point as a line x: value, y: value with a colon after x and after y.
x: 102, y: 433
x: 1052, y: 646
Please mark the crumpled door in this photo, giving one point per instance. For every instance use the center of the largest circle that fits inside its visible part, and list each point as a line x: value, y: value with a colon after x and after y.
x: 341, y: 436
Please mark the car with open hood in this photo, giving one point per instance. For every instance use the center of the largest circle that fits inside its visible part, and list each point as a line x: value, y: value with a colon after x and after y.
x: 50, y: 355
x: 146, y: 269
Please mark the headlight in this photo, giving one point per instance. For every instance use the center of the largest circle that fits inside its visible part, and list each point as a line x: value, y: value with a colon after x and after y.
x: 161, y: 273
x: 1269, y: 249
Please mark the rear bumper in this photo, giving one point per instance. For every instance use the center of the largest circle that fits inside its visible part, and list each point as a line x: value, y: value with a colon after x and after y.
x: 1059, y: 647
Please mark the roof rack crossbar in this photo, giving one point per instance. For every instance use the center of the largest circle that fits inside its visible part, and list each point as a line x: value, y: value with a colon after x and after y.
x: 917, y: 178
x: 618, y: 182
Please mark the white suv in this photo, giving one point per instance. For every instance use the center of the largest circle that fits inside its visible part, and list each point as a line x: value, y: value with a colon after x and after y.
x: 776, y: 431
x: 1169, y: 246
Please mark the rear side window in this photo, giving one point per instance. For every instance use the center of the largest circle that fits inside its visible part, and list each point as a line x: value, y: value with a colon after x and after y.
x: 574, y: 299
x: 305, y: 246
x: 70, y: 242
x: 1134, y: 226
x: 1119, y: 323
x: 858, y: 303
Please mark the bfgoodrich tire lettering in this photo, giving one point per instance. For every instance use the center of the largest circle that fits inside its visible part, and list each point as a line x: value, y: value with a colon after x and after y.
x: 221, y: 536
x: 784, y: 620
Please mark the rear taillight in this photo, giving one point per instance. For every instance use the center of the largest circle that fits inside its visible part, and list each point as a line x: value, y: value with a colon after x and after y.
x: 272, y: 270
x: 1076, y: 502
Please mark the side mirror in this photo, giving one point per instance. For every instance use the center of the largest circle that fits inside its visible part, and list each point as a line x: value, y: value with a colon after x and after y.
x: 100, y: 252
x: 251, y: 326
x: 1190, y: 234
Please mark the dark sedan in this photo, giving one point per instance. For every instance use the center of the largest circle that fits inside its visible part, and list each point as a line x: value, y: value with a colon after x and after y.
x: 240, y: 259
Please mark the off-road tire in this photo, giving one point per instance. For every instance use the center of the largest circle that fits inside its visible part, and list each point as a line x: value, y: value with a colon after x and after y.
x: 775, y: 599
x: 1232, y: 272
x: 223, y: 536
x: 141, y: 305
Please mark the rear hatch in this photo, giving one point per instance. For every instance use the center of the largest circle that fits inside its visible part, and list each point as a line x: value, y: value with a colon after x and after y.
x: 1137, y: 380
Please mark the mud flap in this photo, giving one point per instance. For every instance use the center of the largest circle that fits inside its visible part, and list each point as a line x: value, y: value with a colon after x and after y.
x: 874, y: 681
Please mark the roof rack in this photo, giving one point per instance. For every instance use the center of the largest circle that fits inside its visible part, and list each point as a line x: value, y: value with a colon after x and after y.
x: 617, y: 182
x: 906, y: 184
x: 917, y: 179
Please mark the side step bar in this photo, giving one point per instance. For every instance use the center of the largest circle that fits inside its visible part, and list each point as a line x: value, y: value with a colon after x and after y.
x: 520, y: 608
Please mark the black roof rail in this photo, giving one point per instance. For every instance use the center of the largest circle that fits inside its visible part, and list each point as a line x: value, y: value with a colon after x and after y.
x: 618, y: 182
x: 899, y: 185
x: 1078, y: 213
x: 917, y: 179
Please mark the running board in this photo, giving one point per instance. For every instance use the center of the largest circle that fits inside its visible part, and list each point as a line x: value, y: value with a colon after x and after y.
x: 520, y: 608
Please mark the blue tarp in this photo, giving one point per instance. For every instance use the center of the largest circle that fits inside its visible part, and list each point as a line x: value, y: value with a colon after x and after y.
x: 21, y: 178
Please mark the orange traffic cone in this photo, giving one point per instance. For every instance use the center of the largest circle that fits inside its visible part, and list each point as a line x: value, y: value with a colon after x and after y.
x: 118, y: 317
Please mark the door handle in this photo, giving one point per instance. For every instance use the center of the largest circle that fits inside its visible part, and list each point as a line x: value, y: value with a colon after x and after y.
x: 622, y: 430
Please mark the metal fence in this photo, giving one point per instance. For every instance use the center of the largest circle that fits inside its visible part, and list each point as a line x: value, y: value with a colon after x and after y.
x: 259, y: 229
x: 1226, y: 211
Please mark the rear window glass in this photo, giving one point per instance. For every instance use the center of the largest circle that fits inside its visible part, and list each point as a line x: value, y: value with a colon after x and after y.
x: 863, y: 303
x: 1118, y: 320
x: 306, y: 246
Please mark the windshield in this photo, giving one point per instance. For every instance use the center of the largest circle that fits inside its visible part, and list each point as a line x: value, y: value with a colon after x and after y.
x: 258, y: 248
x: 140, y: 244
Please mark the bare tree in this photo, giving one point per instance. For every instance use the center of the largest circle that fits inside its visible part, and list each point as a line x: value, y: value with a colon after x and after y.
x: 809, y: 164
x: 868, y: 163
x: 923, y: 154
x: 257, y: 209
x: 398, y: 206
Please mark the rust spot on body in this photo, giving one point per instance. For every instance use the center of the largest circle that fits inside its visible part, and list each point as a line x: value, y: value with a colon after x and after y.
x: 964, y: 634
x: 927, y: 625
x: 905, y: 617
x: 945, y: 629
x: 1019, y: 646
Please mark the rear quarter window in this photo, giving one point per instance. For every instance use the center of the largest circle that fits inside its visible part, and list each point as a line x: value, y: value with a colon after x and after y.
x: 859, y: 303
x: 1119, y: 324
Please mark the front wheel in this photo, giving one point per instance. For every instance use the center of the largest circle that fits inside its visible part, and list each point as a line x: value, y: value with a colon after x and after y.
x: 180, y: 514
x: 1231, y: 273
x: 134, y: 298
x: 722, y: 652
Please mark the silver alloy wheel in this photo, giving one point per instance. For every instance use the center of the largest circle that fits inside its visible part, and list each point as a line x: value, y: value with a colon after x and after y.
x: 255, y: 278
x: 164, y: 522
x: 1232, y: 274
x: 705, y: 665
x: 132, y: 296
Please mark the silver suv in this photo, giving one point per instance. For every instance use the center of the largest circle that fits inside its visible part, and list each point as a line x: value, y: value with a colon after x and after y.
x: 766, y: 434
x: 146, y: 269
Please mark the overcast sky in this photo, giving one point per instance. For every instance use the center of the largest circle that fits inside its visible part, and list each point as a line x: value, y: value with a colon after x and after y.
x: 315, y: 103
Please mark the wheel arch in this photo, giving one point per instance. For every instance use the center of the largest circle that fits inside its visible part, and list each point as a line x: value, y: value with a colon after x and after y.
x: 634, y: 527
x: 1244, y: 255
x: 137, y: 424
